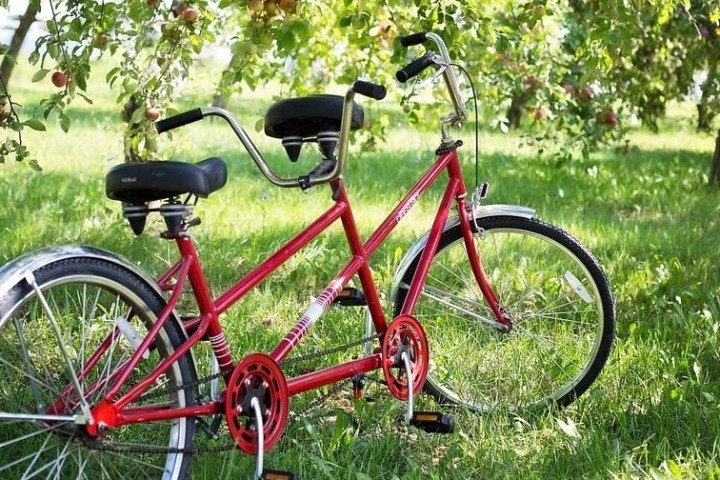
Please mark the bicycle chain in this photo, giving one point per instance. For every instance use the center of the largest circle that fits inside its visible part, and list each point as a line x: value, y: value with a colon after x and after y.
x: 130, y: 448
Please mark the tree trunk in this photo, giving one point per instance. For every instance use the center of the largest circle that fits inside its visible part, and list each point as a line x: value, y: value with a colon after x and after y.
x: 219, y: 98
x: 18, y: 38
x: 715, y: 171
x: 705, y: 110
x: 516, y: 110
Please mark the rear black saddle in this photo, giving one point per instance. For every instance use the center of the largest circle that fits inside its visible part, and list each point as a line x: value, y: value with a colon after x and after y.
x: 307, y: 116
x: 158, y: 180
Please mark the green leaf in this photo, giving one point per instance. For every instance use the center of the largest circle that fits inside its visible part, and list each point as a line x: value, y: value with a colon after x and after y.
x: 64, y: 122
x: 259, y: 125
x: 81, y: 82
x: 35, y: 124
x: 86, y: 98
x: 35, y: 165
x: 674, y: 469
x: 39, y: 75
x: 137, y: 115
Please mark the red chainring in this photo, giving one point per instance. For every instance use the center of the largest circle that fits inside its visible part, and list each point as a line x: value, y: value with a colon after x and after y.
x: 405, y: 334
x: 257, y: 375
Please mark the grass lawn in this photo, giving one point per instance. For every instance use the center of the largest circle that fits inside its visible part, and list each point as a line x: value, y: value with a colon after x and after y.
x: 648, y: 216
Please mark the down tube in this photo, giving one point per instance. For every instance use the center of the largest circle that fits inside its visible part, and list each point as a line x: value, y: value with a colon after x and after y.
x: 418, y: 281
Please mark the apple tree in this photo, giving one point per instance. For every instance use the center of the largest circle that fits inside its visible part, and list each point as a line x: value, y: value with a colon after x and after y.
x: 573, y: 70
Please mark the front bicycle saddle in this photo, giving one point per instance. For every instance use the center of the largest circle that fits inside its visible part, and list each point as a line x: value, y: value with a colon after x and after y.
x: 315, y: 118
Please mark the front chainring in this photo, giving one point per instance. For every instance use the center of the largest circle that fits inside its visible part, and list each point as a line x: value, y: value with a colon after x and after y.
x: 257, y: 375
x: 405, y: 334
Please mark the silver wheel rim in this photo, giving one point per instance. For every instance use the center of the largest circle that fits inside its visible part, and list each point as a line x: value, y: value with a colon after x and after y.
x: 71, y: 455
x: 433, y: 292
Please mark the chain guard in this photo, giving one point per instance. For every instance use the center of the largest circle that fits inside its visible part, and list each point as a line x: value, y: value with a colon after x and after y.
x: 256, y: 375
x: 405, y: 334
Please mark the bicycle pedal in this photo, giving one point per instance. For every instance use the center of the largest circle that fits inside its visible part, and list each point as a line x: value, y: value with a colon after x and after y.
x: 278, y: 475
x: 433, y: 422
x: 350, y: 297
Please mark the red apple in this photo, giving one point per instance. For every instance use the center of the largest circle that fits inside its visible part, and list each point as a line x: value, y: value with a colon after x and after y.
x: 179, y: 8
x: 586, y: 93
x: 152, y: 3
x: 287, y: 5
x: 255, y: 6
x: 59, y: 79
x: 569, y: 88
x: 539, y: 114
x: 100, y: 41
x: 271, y: 7
x: 609, y: 118
x: 532, y: 83
x: 152, y: 114
x: 190, y: 14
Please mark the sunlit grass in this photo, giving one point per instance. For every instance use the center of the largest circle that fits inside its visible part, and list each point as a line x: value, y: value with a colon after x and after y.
x: 647, y: 215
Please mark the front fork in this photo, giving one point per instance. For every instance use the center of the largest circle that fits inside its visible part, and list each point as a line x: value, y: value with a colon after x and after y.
x: 466, y: 214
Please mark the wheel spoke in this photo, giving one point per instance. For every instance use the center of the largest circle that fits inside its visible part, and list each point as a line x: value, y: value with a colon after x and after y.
x: 58, y: 352
x: 550, y: 287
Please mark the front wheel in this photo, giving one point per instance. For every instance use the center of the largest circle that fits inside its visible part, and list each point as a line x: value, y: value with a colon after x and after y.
x: 556, y: 295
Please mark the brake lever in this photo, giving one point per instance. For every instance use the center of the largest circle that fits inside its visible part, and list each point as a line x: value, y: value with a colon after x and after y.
x: 441, y: 66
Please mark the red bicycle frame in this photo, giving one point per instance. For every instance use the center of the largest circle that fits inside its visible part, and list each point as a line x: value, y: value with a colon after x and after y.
x: 113, y: 410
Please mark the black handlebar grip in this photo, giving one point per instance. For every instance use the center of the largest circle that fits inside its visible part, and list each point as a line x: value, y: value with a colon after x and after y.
x: 368, y: 89
x: 179, y: 120
x: 417, y: 66
x: 413, y: 39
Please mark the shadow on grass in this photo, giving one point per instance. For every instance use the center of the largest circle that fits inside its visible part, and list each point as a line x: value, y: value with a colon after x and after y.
x: 648, y: 216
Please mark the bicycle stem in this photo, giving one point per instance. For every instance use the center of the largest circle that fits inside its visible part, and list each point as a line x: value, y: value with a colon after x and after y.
x: 450, y: 82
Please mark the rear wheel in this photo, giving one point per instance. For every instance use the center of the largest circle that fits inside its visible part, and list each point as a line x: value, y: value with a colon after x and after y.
x: 81, y: 302
x: 551, y: 287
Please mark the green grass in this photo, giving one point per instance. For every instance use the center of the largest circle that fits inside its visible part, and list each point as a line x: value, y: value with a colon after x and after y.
x: 648, y: 216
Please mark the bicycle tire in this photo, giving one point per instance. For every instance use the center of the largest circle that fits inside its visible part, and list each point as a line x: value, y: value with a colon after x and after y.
x: 86, y: 297
x: 551, y: 356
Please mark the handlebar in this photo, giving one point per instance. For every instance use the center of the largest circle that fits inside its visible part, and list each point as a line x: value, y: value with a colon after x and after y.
x: 179, y: 120
x: 414, y: 68
x: 441, y: 61
x: 322, y: 173
x: 368, y: 89
x: 413, y: 39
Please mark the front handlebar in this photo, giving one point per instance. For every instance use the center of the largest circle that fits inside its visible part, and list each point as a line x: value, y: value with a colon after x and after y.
x: 439, y: 61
